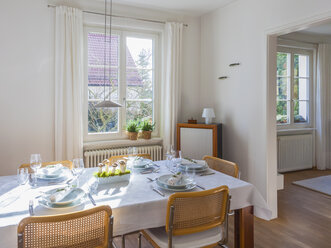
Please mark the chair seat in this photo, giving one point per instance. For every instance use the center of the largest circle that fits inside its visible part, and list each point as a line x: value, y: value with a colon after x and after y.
x: 200, y: 239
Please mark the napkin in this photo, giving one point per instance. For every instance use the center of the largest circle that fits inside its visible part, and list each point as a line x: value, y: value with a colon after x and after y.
x: 175, y: 179
x: 60, y: 195
x: 52, y: 170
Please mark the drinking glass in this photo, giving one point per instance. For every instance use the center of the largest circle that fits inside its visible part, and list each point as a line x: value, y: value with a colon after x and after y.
x: 22, y: 176
x: 190, y: 174
x: 35, y: 164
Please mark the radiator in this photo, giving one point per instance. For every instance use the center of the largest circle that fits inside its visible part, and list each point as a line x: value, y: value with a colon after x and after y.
x: 295, y: 152
x: 93, y: 157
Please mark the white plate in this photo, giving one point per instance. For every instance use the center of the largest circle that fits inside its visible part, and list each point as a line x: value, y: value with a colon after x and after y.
x: 69, y: 206
x: 140, y: 163
x: 76, y: 194
x: 163, y: 180
x: 64, y: 173
x: 187, y: 188
x: 193, y: 168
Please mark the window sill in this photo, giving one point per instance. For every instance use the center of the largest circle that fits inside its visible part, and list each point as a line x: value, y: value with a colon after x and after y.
x: 121, y: 143
x: 283, y: 132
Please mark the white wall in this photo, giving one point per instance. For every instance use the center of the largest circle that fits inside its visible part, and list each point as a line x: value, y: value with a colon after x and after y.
x: 238, y: 33
x: 27, y: 75
x: 26, y: 83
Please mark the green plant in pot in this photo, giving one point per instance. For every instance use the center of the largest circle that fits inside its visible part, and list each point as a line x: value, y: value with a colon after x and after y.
x: 132, y: 129
x: 146, y: 128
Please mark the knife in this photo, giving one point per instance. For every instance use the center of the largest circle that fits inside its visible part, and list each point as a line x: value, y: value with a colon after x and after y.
x: 203, y: 188
x: 158, y: 191
x: 31, y: 208
x: 207, y: 174
x: 91, y: 199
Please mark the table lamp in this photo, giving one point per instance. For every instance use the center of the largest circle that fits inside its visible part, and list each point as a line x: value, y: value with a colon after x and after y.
x: 208, y: 114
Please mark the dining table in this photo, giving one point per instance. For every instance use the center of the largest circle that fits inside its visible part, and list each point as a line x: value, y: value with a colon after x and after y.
x: 135, y: 204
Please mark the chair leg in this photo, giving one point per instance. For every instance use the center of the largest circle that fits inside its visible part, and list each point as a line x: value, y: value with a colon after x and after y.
x: 123, y: 241
x: 139, y: 239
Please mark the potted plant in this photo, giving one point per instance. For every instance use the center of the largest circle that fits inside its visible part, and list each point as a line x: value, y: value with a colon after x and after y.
x: 132, y: 129
x: 146, y: 128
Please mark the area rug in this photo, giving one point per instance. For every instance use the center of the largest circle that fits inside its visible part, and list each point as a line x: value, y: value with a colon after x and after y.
x: 319, y: 184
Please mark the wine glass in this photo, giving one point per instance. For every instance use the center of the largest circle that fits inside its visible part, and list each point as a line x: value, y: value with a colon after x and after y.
x: 77, y: 167
x: 178, y: 161
x: 35, y: 164
x: 172, y: 151
x: 93, y: 185
x: 169, y: 158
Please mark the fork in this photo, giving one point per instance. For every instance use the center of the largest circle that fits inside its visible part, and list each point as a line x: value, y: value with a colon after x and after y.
x: 151, y: 179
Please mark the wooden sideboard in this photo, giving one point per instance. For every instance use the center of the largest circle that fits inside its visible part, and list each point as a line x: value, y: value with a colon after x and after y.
x: 198, y: 140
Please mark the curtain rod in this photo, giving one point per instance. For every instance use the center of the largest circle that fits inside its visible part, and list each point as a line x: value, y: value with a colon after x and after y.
x: 120, y: 16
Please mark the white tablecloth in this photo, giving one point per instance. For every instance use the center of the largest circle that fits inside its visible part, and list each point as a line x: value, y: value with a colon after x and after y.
x: 135, y: 205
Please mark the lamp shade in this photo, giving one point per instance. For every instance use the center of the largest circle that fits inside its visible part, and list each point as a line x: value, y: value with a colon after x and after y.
x: 108, y: 104
x: 208, y: 113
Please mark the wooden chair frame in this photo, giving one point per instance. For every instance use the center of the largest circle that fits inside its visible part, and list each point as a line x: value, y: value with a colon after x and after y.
x: 66, y: 163
x: 170, y: 217
x: 66, y: 217
x: 225, y: 162
x: 114, y: 159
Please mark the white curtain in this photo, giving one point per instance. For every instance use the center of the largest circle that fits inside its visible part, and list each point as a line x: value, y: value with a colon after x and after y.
x: 68, y: 83
x: 171, y: 87
x: 323, y: 107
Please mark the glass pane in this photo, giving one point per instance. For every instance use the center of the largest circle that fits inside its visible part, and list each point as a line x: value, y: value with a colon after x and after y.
x: 139, y: 53
x: 283, y: 64
x: 300, y: 111
x: 301, y: 89
x: 282, y: 88
x: 102, y: 120
x: 139, y: 110
x: 301, y: 65
x: 282, y: 107
x: 139, y: 84
x: 96, y: 49
x: 96, y: 83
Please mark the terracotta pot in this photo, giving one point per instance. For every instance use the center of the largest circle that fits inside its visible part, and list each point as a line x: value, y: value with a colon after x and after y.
x: 132, y: 135
x: 146, y: 134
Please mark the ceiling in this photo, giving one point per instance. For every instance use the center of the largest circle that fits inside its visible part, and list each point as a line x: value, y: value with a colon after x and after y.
x: 189, y: 7
x: 324, y: 29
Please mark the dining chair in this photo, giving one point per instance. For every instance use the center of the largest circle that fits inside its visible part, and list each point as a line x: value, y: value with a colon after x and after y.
x: 66, y: 163
x: 114, y: 159
x: 221, y: 165
x: 82, y: 229
x: 194, y: 219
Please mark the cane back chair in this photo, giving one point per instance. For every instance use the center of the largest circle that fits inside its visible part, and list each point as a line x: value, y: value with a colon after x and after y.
x: 194, y: 219
x: 222, y: 165
x: 82, y: 229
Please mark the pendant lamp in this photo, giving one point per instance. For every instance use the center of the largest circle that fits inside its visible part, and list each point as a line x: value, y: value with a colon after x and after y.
x: 107, y: 103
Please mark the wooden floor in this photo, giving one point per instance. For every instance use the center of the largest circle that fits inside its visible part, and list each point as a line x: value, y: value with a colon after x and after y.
x: 304, y: 218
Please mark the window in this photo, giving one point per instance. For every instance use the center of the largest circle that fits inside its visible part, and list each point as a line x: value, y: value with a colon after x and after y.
x: 133, y: 73
x: 294, y: 87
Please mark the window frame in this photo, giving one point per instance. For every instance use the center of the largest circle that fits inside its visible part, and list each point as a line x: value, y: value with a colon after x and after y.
x: 123, y: 33
x: 300, y: 51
